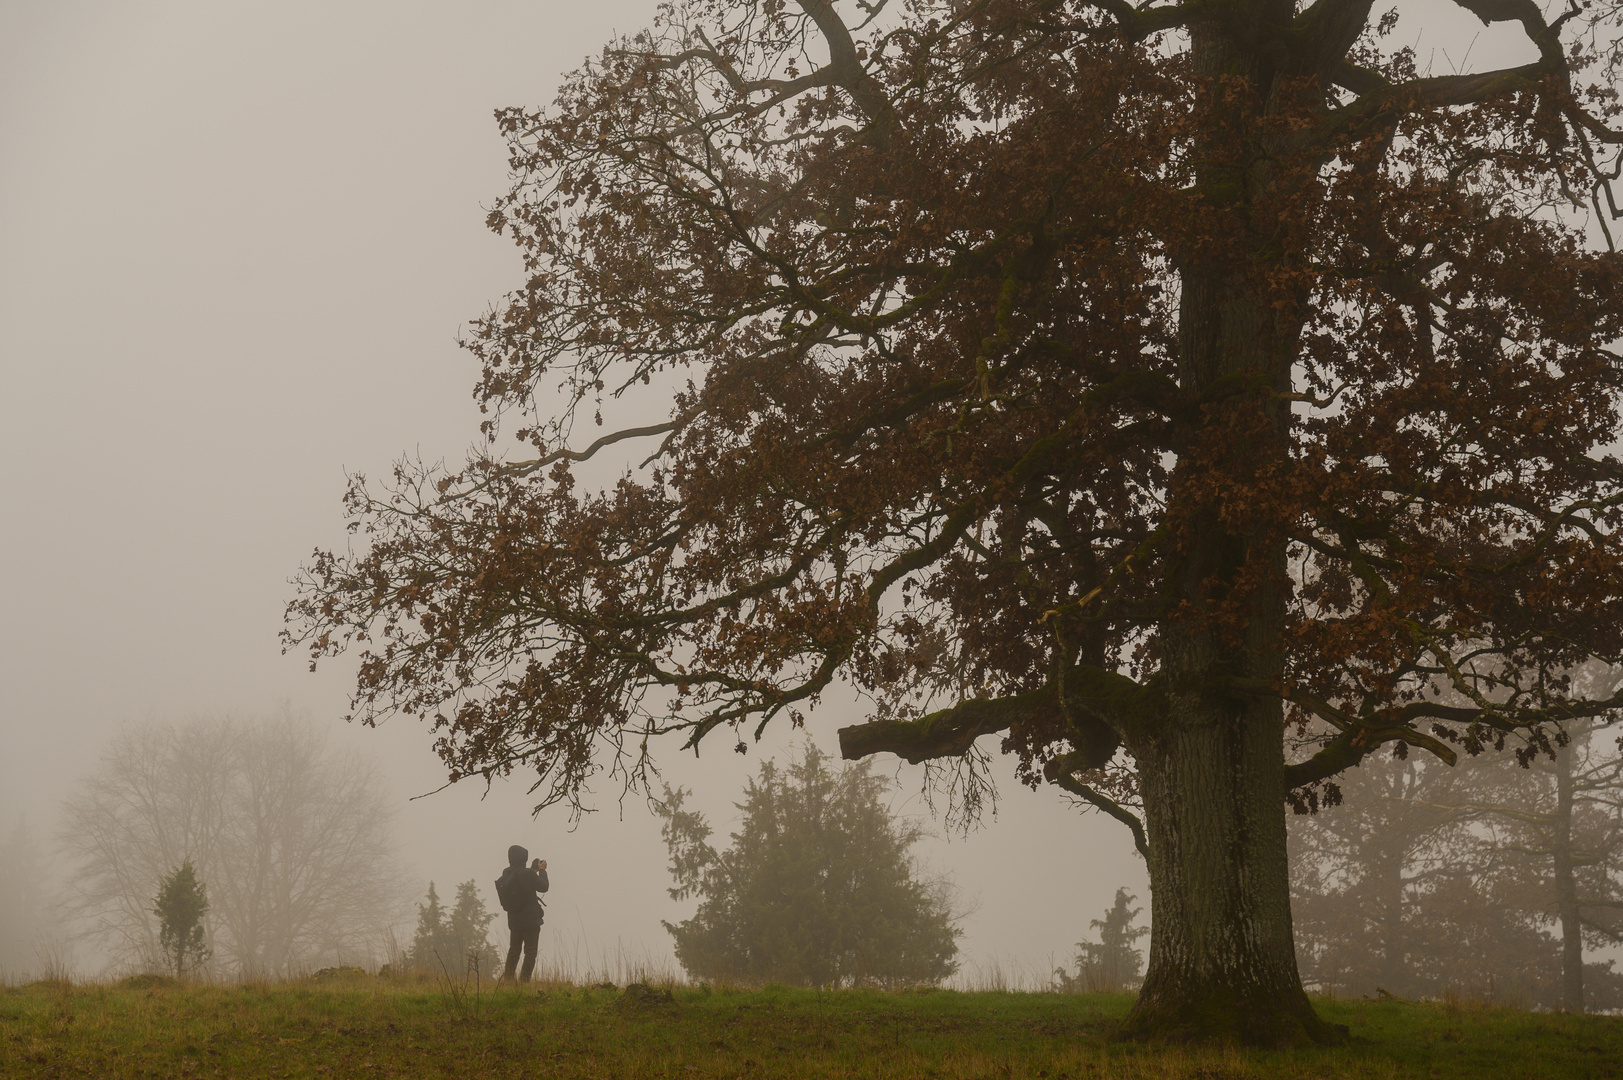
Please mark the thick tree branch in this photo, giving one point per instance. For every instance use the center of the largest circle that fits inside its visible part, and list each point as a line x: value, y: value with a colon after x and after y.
x: 1360, y: 80
x: 1353, y: 745
x: 1375, y: 730
x: 1096, y: 705
x: 1331, y: 27
x: 847, y: 71
x: 1378, y: 97
x: 893, y: 416
x: 1338, y: 755
x: 1435, y: 92
x: 1358, y: 738
x: 1140, y: 23
x: 1525, y: 12
x: 946, y: 732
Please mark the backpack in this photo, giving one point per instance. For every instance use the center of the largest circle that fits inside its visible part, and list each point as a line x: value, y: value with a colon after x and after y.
x: 503, y: 894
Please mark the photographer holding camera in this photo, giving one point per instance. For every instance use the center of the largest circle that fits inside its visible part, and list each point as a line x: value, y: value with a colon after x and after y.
x: 518, y: 890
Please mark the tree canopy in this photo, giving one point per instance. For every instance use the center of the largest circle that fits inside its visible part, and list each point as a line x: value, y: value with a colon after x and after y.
x: 818, y: 887
x: 1109, y: 378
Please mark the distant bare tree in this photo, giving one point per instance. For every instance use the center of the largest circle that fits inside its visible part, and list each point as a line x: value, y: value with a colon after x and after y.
x: 157, y: 799
x: 292, y: 839
x: 1386, y: 888
x: 1552, y: 850
x: 1492, y: 875
x: 1359, y: 872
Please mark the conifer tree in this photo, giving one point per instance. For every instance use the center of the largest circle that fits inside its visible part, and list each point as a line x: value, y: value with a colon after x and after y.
x: 182, y: 901
x: 466, y: 932
x: 1110, y: 964
x: 429, y: 945
x: 817, y: 888
x: 451, y: 942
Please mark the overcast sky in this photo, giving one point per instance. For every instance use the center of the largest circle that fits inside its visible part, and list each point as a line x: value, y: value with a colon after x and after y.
x: 237, y: 241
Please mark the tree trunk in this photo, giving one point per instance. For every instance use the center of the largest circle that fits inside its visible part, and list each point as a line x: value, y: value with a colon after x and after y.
x: 1389, y: 885
x: 1222, y: 958
x: 1566, y: 888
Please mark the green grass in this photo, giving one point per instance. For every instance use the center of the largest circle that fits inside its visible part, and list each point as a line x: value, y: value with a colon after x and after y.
x: 371, y: 1027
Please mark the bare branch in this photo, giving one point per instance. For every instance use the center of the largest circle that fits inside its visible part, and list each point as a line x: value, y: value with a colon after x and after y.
x: 1061, y: 774
x: 524, y: 468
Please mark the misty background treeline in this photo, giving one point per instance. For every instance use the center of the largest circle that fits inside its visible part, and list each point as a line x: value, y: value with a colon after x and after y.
x: 1498, y: 878
x: 293, y: 840
x: 1490, y: 878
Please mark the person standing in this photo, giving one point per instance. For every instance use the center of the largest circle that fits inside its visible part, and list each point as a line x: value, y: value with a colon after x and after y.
x: 519, y: 890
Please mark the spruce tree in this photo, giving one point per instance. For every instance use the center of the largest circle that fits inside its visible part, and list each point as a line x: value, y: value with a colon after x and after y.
x: 182, y: 901
x: 817, y: 889
x: 1110, y: 964
x: 467, y: 932
x: 428, y: 945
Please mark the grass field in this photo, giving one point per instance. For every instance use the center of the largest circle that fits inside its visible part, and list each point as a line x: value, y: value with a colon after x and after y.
x: 365, y: 1026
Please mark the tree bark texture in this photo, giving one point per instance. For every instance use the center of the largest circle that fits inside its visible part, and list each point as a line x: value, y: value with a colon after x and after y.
x: 1222, y: 956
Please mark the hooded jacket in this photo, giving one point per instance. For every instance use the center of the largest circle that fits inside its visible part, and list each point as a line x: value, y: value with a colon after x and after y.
x: 519, y: 885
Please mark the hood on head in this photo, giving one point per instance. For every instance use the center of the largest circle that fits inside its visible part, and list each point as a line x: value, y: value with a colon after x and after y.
x: 517, y: 856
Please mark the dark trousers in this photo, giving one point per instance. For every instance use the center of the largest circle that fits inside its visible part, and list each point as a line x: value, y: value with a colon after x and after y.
x: 526, y: 938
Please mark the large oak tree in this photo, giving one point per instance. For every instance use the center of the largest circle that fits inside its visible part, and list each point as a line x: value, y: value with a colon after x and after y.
x: 1137, y: 379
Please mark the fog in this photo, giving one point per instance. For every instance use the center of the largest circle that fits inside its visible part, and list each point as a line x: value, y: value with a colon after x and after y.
x: 237, y: 242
